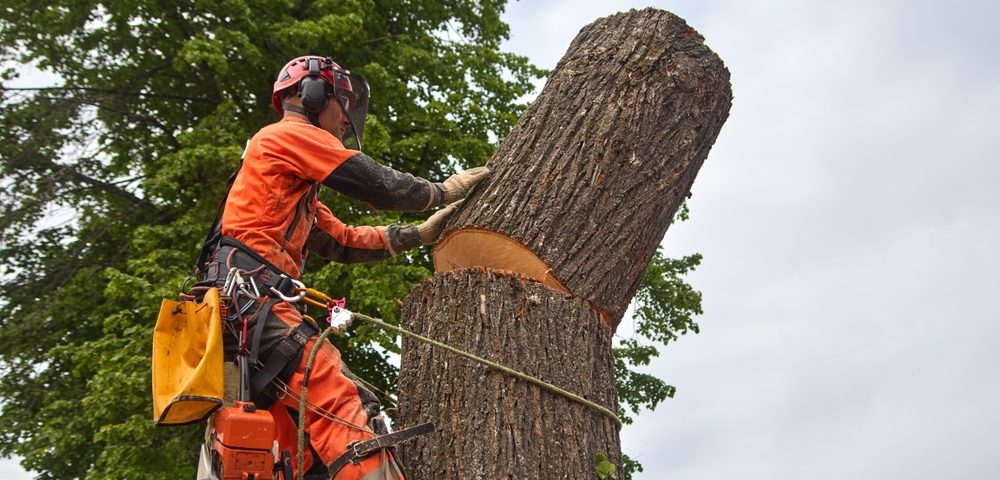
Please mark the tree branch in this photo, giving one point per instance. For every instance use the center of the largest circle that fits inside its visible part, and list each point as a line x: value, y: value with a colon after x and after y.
x: 383, y: 37
x: 109, y: 187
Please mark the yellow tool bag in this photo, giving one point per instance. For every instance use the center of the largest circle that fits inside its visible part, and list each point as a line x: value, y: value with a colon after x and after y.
x: 187, y: 361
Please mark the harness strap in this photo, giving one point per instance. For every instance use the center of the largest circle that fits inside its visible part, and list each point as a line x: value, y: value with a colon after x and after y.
x: 284, y: 353
x: 359, y: 450
x: 258, y: 331
x: 214, y: 235
x: 247, y: 259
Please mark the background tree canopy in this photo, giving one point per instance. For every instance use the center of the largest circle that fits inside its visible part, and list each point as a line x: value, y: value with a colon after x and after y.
x: 133, y: 151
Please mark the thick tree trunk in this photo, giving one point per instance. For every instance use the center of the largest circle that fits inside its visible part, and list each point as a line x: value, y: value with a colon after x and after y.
x: 581, y: 193
x: 489, y: 424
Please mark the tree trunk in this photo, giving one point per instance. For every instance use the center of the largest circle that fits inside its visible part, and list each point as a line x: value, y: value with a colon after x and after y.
x: 580, y: 194
x: 489, y: 424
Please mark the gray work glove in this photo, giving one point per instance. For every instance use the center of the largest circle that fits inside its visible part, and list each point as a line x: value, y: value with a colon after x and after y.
x: 431, y: 229
x: 457, y: 186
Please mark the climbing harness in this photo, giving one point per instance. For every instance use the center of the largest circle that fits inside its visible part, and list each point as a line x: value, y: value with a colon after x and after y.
x: 250, y: 288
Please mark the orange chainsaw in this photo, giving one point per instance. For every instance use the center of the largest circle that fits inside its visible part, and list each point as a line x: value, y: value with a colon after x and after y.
x: 240, y: 443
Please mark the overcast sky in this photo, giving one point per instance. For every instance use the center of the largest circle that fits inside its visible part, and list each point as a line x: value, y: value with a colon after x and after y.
x: 848, y: 215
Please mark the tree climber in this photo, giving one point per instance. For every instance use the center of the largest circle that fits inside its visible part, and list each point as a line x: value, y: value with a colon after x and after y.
x: 271, y: 218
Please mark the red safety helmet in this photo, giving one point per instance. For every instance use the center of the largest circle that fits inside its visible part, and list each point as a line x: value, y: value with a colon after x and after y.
x: 317, y: 79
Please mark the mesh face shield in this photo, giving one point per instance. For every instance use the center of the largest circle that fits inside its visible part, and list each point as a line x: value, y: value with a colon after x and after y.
x: 350, y: 90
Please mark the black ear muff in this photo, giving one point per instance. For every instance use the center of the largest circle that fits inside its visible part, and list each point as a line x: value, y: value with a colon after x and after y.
x: 312, y: 89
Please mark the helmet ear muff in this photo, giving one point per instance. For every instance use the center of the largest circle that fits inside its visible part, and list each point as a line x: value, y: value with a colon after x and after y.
x: 313, y: 89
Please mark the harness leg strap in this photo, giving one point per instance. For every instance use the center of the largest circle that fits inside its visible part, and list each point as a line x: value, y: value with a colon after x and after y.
x: 284, y: 353
x: 358, y: 450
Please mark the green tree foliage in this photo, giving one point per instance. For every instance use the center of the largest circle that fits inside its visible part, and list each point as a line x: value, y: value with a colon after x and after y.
x: 110, y: 180
x: 664, y: 308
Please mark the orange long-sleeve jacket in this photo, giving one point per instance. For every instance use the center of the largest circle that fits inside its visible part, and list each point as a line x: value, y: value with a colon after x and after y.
x: 273, y: 208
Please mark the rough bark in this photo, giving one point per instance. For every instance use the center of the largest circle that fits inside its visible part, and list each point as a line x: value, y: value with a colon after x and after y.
x: 581, y: 192
x: 593, y: 173
x: 490, y: 425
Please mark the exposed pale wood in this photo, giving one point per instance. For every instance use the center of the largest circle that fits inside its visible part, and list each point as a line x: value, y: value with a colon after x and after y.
x: 473, y: 247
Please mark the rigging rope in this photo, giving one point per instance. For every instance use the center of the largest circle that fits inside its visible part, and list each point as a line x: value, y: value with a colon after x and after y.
x: 510, y: 371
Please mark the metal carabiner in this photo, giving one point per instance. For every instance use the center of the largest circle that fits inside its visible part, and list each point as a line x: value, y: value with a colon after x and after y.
x: 245, y: 286
x: 298, y: 285
x: 239, y: 284
x: 227, y: 286
x: 256, y: 291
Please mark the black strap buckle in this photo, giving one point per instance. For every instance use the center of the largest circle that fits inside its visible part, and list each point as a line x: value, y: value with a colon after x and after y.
x: 357, y: 451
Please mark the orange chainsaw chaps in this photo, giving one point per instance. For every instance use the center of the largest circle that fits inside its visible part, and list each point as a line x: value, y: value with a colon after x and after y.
x: 345, y: 420
x: 287, y: 434
x: 187, y: 361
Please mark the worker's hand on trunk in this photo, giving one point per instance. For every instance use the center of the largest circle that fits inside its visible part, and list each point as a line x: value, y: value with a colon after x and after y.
x: 457, y: 186
x: 431, y: 229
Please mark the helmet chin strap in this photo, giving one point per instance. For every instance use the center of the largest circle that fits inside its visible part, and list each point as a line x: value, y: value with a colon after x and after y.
x: 313, y: 117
